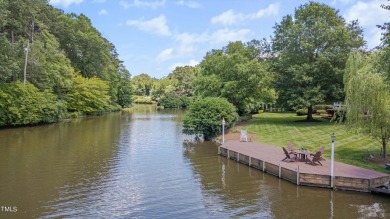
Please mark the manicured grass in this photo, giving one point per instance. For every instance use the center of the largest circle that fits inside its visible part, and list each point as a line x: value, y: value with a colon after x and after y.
x: 280, y: 128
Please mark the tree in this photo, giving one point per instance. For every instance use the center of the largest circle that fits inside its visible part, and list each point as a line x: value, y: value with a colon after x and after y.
x: 312, y: 48
x: 235, y: 73
x: 89, y: 96
x: 125, y: 90
x: 367, y: 98
x: 204, y: 116
x: 143, y: 84
x: 48, y: 66
x: 182, y: 78
x: 385, y: 45
x: 163, y: 87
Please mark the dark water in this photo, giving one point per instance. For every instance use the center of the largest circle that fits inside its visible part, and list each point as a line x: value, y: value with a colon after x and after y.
x: 140, y: 165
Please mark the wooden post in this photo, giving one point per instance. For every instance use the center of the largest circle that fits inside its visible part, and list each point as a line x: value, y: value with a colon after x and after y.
x: 228, y: 154
x: 280, y: 171
x: 219, y: 150
x: 298, y: 176
x: 238, y: 157
x: 250, y: 161
x: 263, y: 166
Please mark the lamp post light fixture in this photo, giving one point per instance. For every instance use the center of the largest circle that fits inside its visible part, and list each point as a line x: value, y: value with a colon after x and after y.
x: 332, y: 162
x: 223, y: 130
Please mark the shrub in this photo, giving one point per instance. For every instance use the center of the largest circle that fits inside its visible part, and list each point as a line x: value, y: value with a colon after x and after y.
x: 169, y: 102
x: 321, y: 112
x: 301, y: 112
x: 24, y: 104
x: 204, y: 116
x: 142, y: 100
x: 322, y: 107
x: 174, y: 102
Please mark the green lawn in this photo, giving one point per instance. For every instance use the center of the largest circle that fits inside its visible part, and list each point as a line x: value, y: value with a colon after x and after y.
x: 280, y: 128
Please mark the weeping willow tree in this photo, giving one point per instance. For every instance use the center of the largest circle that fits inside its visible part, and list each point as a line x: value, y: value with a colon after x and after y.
x: 367, y: 98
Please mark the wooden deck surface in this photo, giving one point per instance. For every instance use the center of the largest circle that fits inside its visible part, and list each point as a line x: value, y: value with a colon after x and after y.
x: 275, y: 155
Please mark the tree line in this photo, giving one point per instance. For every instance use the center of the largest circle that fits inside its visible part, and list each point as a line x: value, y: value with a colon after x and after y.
x: 55, y: 65
x: 314, y: 57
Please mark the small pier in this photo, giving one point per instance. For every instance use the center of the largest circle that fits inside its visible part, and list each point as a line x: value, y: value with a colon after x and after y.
x: 269, y: 159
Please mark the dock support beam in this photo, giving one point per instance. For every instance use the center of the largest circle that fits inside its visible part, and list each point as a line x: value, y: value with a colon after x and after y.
x: 298, y: 176
x: 263, y: 166
x: 280, y: 171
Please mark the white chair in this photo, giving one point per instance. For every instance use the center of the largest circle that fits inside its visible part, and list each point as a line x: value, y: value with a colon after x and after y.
x: 244, y: 135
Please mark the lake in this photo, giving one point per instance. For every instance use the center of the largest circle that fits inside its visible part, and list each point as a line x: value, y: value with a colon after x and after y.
x: 139, y: 165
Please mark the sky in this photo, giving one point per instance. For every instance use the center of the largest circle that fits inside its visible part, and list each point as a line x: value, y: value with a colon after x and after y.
x: 156, y: 36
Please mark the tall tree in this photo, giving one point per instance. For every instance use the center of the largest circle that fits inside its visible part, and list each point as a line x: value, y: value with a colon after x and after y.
x: 182, y: 78
x: 236, y: 74
x: 385, y: 45
x: 312, y: 48
x: 367, y: 98
x: 143, y: 84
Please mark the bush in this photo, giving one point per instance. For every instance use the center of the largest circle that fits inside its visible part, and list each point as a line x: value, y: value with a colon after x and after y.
x: 301, y: 112
x: 204, y: 116
x: 169, y: 102
x: 321, y: 112
x: 322, y: 107
x: 24, y: 104
x: 174, y: 102
x: 142, y: 100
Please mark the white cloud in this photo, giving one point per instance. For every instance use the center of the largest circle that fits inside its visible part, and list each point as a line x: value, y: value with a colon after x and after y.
x: 156, y: 25
x: 190, y: 4
x: 225, y: 35
x: 65, y: 3
x: 140, y: 3
x: 165, y: 55
x: 230, y: 17
x: 342, y: 1
x: 103, y: 12
x: 369, y: 15
x: 192, y: 62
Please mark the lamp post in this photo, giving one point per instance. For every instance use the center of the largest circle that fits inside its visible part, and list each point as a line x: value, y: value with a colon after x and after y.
x: 223, y: 130
x: 332, y: 162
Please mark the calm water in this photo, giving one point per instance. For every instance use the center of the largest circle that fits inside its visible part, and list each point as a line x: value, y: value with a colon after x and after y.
x: 140, y: 165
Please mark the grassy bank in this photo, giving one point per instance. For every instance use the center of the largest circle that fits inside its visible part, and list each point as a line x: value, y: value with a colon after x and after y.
x: 280, y: 128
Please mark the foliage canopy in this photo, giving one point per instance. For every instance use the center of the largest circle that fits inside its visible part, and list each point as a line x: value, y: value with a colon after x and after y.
x: 312, y: 48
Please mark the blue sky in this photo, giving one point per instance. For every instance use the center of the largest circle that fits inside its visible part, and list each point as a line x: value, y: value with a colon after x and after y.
x: 155, y: 36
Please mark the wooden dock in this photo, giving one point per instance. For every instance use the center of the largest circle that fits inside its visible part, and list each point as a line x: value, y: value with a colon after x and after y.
x: 269, y: 159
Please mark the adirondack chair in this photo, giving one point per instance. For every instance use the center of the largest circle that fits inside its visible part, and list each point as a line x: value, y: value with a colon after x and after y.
x: 244, y: 135
x: 322, y: 149
x: 289, y: 157
x: 290, y: 148
x: 314, y: 159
